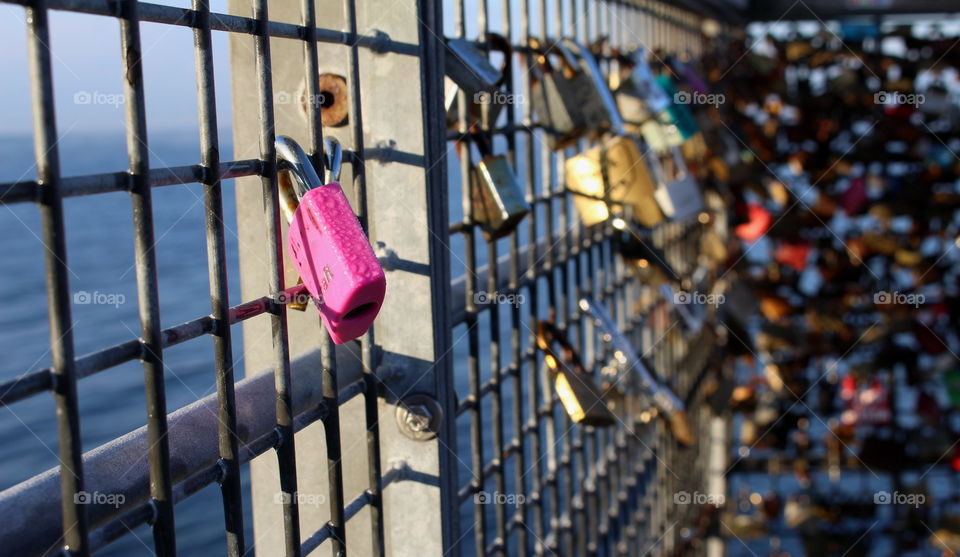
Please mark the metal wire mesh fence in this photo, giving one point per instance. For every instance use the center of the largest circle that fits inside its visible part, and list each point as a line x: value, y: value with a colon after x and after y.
x: 529, y: 480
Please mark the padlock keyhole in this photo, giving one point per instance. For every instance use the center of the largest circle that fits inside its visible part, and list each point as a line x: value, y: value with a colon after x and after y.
x: 360, y: 310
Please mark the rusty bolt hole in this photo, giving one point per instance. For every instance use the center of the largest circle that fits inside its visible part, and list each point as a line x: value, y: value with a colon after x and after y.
x: 334, y: 102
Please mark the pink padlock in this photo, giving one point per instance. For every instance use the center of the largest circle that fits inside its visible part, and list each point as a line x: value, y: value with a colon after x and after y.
x: 330, y: 250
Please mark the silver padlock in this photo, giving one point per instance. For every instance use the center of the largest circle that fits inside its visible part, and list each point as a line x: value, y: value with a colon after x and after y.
x: 639, y: 96
x: 680, y: 198
x: 668, y: 404
x: 468, y: 69
x: 597, y: 102
x: 555, y: 90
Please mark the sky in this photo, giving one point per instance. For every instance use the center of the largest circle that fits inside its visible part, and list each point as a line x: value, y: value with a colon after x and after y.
x: 87, y: 72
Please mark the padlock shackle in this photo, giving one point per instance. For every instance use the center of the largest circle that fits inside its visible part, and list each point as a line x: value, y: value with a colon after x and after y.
x: 291, y: 158
x: 588, y: 63
x: 333, y: 159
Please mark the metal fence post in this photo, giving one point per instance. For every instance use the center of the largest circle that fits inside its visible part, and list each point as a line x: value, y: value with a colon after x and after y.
x: 396, y: 180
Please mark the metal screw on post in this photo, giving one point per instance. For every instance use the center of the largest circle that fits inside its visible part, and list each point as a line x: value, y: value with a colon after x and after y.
x: 419, y: 417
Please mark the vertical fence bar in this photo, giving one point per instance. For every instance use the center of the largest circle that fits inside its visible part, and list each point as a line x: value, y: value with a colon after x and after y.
x: 328, y: 361
x: 286, y: 451
x: 161, y: 489
x: 217, y: 270
x: 47, y: 155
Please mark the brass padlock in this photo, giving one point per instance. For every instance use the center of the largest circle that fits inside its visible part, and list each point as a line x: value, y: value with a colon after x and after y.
x: 468, y: 69
x: 496, y: 194
x: 667, y: 403
x: 609, y: 178
x: 574, y: 385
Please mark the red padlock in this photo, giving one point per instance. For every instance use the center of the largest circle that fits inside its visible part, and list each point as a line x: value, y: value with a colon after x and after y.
x: 330, y: 250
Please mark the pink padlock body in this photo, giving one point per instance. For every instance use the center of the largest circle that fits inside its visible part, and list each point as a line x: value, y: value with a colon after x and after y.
x: 336, y: 262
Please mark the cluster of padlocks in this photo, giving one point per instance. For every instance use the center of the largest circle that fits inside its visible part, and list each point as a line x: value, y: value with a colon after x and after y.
x: 642, y: 167
x: 636, y: 119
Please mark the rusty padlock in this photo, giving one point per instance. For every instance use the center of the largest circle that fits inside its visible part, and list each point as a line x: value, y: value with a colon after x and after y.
x: 496, y: 193
x: 329, y: 248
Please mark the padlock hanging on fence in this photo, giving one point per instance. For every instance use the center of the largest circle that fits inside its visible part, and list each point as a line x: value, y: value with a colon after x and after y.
x: 496, y: 194
x: 582, y: 399
x: 612, y: 178
x: 289, y: 201
x: 666, y: 402
x: 680, y: 198
x: 328, y: 246
x: 468, y: 69
x: 639, y: 96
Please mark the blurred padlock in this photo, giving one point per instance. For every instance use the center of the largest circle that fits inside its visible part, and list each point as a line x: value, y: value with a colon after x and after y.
x: 596, y: 100
x: 639, y: 96
x: 574, y: 385
x: 637, y: 246
x: 609, y: 178
x: 668, y: 404
x: 680, y: 198
x: 330, y: 250
x: 679, y: 112
x: 497, y: 196
x: 468, y: 69
x: 555, y: 94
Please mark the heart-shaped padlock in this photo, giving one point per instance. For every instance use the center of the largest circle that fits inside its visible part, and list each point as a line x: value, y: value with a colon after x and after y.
x: 328, y: 246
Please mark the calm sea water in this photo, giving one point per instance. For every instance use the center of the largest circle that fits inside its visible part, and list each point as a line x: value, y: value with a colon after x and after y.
x: 99, y: 232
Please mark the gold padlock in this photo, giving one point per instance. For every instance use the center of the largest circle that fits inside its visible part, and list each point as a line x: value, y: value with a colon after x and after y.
x: 574, y: 385
x: 496, y: 194
x: 609, y: 176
